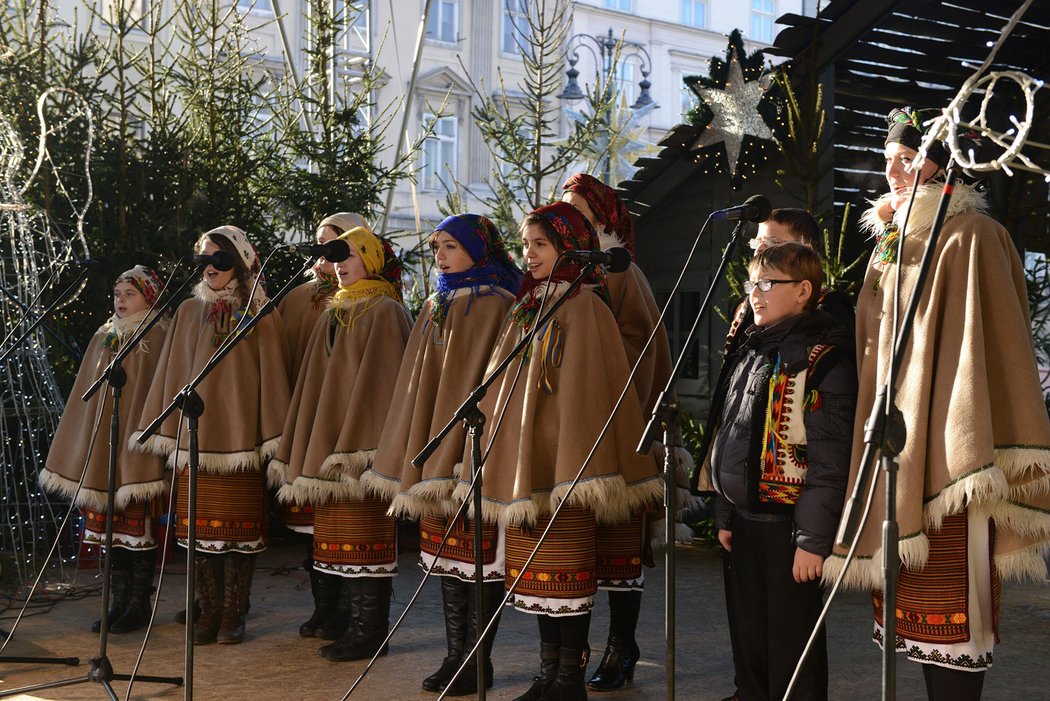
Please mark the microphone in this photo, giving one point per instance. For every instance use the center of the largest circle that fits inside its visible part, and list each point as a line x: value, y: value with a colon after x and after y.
x: 220, y: 260
x: 615, y: 260
x: 102, y: 263
x: 335, y: 251
x: 755, y: 209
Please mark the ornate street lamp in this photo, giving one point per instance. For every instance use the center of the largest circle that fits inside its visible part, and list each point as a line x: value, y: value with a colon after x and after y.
x: 604, y: 49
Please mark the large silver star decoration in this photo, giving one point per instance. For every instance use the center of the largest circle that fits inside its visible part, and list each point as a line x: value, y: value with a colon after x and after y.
x: 735, y: 112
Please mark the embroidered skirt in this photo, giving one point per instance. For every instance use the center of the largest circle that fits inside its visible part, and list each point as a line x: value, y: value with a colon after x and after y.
x: 560, y: 581
x: 355, y: 538
x: 132, y: 525
x: 297, y: 518
x: 232, y: 514
x: 457, y: 557
x: 948, y: 612
x: 619, y: 554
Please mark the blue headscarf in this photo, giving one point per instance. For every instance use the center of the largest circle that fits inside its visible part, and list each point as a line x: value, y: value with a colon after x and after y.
x: 492, y: 263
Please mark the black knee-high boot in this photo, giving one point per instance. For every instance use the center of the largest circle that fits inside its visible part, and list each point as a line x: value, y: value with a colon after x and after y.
x: 371, y: 623
x: 455, y: 602
x: 945, y: 684
x: 119, y: 583
x: 550, y: 648
x: 467, y: 682
x: 572, y: 660
x: 325, y: 589
x: 621, y: 649
x: 137, y: 613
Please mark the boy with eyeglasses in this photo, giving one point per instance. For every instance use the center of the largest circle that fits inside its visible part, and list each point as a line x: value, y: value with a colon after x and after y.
x: 784, y: 225
x: 780, y: 458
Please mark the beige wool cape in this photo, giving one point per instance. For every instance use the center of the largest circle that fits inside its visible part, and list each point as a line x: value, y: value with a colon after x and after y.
x: 299, y: 311
x: 978, y: 433
x: 637, y: 314
x: 340, y: 403
x: 544, y: 436
x: 245, y: 396
x: 441, y: 366
x: 139, y: 476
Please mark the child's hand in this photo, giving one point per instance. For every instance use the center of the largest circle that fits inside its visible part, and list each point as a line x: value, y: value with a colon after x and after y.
x: 808, y: 567
x: 726, y: 539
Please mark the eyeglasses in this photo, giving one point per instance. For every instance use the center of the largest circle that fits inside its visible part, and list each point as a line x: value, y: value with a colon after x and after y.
x: 763, y: 285
x: 767, y: 241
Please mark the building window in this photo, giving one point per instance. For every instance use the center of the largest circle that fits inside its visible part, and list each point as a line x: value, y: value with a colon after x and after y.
x: 515, y: 26
x: 258, y: 7
x: 762, y: 12
x: 685, y: 97
x: 694, y: 13
x: 443, y: 21
x: 439, y: 153
x: 624, y: 5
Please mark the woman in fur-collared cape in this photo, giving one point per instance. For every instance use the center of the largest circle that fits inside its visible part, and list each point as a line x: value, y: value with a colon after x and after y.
x: 245, y: 399
x: 299, y: 311
x: 550, y: 407
x: 444, y: 362
x: 337, y: 416
x: 974, y: 477
x: 638, y: 318
x: 80, y: 448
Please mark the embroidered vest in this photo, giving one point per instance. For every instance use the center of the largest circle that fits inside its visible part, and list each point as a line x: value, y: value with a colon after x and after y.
x: 783, y: 462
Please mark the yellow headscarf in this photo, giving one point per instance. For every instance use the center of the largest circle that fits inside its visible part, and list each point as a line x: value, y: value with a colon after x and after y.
x: 370, y: 250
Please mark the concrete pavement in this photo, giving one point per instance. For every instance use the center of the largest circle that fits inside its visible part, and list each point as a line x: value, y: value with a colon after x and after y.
x: 275, y: 663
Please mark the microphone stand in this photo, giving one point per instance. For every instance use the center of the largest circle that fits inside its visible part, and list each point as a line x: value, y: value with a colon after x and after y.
x: 885, y: 432
x: 193, y: 408
x: 666, y: 416
x: 43, y: 315
x: 474, y: 419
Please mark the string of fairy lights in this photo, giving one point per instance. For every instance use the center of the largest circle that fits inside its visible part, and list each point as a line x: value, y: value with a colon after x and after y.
x: 735, y: 108
x: 33, y: 252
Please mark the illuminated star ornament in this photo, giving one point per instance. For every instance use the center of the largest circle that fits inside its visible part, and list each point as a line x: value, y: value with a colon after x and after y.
x: 733, y: 108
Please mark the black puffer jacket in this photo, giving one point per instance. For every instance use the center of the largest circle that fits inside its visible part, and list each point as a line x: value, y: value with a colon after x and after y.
x: 737, y: 445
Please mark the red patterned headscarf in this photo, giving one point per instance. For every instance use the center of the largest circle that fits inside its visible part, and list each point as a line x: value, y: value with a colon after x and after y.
x: 571, y: 232
x: 606, y: 205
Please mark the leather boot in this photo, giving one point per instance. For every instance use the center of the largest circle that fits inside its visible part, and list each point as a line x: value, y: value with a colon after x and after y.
x: 325, y: 589
x: 338, y: 623
x: 208, y: 580
x: 455, y: 603
x: 119, y: 583
x: 569, y: 686
x: 549, y: 653
x: 137, y: 613
x: 180, y: 616
x: 621, y: 649
x: 467, y: 682
x: 370, y: 625
x: 237, y: 584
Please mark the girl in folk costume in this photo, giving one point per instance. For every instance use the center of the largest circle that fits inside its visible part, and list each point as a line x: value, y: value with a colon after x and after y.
x: 973, y: 492
x: 637, y: 315
x: 341, y: 398
x: 445, y: 360
x: 300, y: 309
x: 139, y: 478
x: 245, y: 399
x: 553, y: 403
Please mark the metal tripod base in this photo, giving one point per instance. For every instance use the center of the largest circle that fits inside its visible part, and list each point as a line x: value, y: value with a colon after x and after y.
x: 101, y: 671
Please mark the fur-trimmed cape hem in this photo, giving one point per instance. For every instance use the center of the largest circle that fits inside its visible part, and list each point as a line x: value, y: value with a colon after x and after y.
x: 315, y: 490
x: 85, y: 498
x: 608, y: 497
